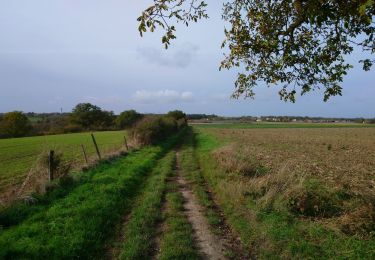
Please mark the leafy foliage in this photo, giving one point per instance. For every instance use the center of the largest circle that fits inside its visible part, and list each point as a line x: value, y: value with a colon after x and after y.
x: 14, y: 124
x: 178, y: 10
x: 153, y: 129
x: 127, y: 118
x: 177, y: 114
x: 89, y: 116
x: 298, y: 44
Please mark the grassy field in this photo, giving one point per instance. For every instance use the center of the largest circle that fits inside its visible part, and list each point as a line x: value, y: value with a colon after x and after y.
x: 294, y: 193
x: 18, y: 155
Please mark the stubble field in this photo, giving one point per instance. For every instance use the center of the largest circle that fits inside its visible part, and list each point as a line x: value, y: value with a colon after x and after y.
x: 294, y: 192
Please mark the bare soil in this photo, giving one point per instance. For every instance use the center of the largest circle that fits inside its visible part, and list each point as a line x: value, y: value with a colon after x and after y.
x: 210, y: 246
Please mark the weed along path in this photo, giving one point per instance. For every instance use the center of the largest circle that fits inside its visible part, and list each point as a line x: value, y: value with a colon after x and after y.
x: 209, y: 245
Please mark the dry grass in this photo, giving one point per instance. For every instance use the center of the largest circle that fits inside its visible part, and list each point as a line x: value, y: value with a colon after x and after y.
x: 322, y: 174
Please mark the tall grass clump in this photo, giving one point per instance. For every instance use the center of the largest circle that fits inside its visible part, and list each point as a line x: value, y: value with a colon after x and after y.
x: 234, y: 160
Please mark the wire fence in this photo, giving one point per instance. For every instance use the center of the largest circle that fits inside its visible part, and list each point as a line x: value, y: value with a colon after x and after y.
x: 28, y: 168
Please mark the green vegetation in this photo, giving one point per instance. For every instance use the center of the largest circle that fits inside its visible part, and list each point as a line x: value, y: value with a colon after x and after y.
x: 140, y: 230
x: 77, y: 224
x: 18, y: 155
x: 14, y: 124
x: 127, y: 119
x: 90, y: 117
x: 306, y: 51
x: 177, y: 241
x: 270, y: 228
x: 190, y: 169
x: 19, y: 210
x: 176, y: 114
x: 153, y: 129
x: 84, y: 117
x: 277, y: 207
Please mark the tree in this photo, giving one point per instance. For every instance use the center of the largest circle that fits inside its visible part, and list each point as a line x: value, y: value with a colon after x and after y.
x: 176, y: 114
x: 91, y: 117
x: 14, y: 124
x: 127, y: 118
x: 300, y: 45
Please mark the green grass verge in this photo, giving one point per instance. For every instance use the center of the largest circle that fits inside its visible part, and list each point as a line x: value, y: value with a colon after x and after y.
x: 19, y: 210
x: 140, y: 230
x: 177, y: 241
x: 271, y: 234
x: 17, y: 155
x: 77, y: 225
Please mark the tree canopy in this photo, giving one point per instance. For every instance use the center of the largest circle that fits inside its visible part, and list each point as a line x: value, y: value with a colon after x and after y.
x: 300, y: 45
x: 176, y: 114
x: 14, y: 124
x: 127, y: 118
x: 91, y: 117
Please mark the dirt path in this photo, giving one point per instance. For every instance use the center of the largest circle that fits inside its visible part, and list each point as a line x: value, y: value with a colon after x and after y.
x: 209, y: 245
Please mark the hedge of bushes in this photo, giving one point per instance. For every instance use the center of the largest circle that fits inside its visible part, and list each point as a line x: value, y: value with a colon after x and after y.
x: 153, y: 129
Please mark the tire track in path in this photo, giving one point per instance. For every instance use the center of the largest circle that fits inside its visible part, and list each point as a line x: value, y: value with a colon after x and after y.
x: 209, y: 245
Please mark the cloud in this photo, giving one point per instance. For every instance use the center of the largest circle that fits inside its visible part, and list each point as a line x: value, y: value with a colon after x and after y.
x: 102, y: 100
x: 180, y: 58
x: 162, y: 96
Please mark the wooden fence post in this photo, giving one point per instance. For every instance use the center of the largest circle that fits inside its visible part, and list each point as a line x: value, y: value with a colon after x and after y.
x: 126, y: 144
x: 96, y: 146
x: 84, y: 153
x: 50, y: 165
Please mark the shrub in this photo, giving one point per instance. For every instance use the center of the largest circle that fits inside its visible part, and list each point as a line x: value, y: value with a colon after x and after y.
x: 14, y: 124
x: 177, y: 114
x: 153, y: 129
x: 127, y: 119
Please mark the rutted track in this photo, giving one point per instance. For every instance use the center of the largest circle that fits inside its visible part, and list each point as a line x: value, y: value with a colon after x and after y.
x: 210, y: 246
x: 79, y: 224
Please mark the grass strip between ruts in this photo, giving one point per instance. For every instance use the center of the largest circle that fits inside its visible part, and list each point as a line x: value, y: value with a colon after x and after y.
x: 140, y: 231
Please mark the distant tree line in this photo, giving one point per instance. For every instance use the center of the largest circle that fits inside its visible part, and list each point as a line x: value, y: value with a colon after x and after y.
x: 89, y: 117
x: 200, y: 116
x: 84, y: 117
x: 306, y: 119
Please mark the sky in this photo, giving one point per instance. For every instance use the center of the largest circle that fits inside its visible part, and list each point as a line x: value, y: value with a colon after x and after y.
x: 55, y: 54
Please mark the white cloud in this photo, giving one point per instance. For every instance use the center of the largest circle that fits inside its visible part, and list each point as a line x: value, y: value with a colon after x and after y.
x: 162, y: 96
x: 102, y: 100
